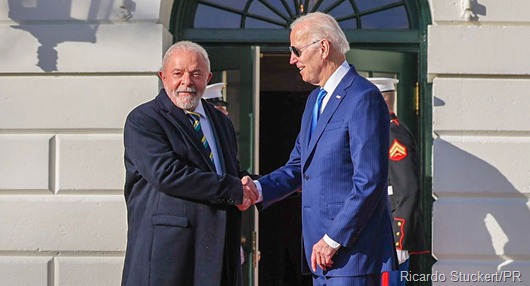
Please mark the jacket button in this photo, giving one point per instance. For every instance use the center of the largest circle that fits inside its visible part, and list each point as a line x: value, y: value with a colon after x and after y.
x: 306, y: 177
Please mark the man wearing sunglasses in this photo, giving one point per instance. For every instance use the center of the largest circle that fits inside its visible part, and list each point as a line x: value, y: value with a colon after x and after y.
x: 340, y: 160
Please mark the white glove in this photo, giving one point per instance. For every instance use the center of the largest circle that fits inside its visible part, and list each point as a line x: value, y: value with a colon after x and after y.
x: 402, y: 255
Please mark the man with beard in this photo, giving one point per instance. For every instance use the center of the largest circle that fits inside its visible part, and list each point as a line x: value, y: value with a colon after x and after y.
x: 183, y: 189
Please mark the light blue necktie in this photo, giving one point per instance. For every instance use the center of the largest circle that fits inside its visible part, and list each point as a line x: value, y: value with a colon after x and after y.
x: 316, y: 109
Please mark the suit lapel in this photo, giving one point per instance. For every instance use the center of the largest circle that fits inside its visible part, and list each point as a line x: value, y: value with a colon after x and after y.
x: 182, y: 123
x: 333, y: 103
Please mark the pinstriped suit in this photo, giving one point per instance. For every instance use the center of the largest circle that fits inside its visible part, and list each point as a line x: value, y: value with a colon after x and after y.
x: 342, y: 170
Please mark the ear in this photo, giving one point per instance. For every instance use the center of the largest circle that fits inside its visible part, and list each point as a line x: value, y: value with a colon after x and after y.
x: 210, y: 75
x: 161, y: 75
x: 324, y: 47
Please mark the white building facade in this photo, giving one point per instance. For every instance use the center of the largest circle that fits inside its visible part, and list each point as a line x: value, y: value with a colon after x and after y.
x: 479, y: 66
x: 70, y: 73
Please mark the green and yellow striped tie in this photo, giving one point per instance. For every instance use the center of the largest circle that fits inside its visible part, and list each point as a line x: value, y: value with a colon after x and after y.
x: 195, y: 120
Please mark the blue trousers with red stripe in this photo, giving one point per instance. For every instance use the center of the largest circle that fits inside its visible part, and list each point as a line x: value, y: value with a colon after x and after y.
x: 394, y: 278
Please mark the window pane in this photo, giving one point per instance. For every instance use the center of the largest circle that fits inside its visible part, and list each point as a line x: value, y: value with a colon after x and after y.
x: 395, y: 18
x: 373, y: 4
x: 234, y: 4
x: 278, y: 14
x: 258, y: 24
x: 344, y: 9
x: 276, y: 5
x: 350, y: 24
x: 208, y: 17
x: 268, y: 19
x: 325, y: 5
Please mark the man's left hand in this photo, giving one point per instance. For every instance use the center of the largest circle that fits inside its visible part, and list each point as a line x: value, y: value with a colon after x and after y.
x: 321, y: 255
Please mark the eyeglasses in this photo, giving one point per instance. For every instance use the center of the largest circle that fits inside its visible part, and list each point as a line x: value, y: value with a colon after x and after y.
x: 298, y: 51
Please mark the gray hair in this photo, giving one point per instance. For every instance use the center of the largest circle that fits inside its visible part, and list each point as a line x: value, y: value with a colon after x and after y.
x: 186, y: 45
x: 323, y: 26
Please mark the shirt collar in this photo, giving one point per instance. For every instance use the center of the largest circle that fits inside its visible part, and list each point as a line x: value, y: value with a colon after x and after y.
x: 200, y: 110
x: 336, y: 77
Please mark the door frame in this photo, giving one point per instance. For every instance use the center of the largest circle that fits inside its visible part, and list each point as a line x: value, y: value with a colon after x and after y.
x: 413, y: 40
x: 245, y: 60
x: 401, y: 64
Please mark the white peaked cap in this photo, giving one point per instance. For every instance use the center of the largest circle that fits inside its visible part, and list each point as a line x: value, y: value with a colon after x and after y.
x: 214, y: 91
x: 384, y: 83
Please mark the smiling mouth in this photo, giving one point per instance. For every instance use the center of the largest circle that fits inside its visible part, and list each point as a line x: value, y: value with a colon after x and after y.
x: 185, y: 91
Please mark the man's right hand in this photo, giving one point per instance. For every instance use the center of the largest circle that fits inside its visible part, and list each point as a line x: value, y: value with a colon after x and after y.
x: 250, y: 193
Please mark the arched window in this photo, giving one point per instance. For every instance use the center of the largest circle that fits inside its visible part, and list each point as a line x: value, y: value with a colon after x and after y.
x: 278, y: 14
x: 377, y: 24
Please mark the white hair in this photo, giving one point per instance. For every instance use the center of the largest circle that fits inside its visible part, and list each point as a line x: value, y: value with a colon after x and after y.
x: 323, y: 26
x: 186, y: 45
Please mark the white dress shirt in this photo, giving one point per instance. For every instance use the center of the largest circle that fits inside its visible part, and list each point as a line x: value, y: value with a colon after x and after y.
x: 333, y: 82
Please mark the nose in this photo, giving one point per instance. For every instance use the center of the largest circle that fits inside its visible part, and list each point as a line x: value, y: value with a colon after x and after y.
x: 293, y: 59
x: 185, y: 80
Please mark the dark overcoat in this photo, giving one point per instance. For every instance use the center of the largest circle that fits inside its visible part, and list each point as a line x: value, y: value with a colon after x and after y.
x: 182, y: 220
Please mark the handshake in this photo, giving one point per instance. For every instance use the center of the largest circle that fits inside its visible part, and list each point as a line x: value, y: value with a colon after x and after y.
x: 250, y: 193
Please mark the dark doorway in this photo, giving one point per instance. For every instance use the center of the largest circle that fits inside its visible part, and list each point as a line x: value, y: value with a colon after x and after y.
x: 282, y: 100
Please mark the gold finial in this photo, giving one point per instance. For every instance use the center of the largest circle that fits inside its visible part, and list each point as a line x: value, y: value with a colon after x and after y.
x: 301, y: 8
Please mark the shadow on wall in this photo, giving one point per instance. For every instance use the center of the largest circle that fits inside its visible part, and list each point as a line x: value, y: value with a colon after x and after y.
x: 479, y: 213
x: 62, y: 23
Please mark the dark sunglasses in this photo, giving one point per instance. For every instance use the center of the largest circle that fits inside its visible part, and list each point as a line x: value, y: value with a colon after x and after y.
x: 298, y: 51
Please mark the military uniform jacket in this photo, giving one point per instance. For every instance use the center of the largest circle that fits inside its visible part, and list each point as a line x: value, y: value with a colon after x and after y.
x: 403, y: 175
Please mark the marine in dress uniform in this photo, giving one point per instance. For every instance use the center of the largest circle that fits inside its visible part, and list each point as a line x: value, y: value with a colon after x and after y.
x: 214, y: 95
x: 403, y: 188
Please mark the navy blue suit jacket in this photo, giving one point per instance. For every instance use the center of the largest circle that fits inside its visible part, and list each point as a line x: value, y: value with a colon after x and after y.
x: 181, y: 214
x: 342, y: 170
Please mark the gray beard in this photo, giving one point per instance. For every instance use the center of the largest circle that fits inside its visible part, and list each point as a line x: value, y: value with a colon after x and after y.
x: 186, y: 103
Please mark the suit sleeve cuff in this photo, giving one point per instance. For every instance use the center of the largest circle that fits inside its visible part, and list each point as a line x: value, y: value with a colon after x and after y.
x: 331, y: 242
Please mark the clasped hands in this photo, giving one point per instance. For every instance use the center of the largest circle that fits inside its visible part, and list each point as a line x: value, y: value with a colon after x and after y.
x: 250, y: 193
